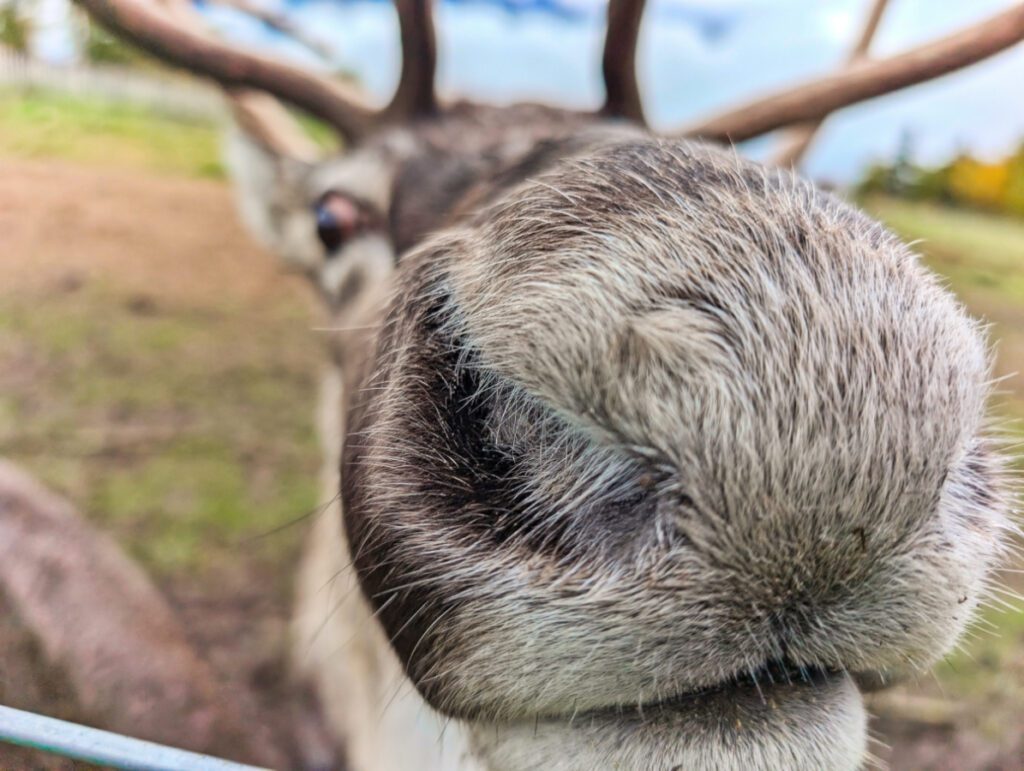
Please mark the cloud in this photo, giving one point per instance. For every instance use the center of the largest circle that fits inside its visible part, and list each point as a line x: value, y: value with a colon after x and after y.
x: 700, y: 55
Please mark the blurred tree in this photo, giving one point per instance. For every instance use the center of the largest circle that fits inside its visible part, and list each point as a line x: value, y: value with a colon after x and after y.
x: 965, y: 181
x: 875, y: 180
x: 931, y: 184
x: 903, y: 173
x: 1015, y: 185
x: 103, y: 48
x: 15, y: 26
x: 975, y: 183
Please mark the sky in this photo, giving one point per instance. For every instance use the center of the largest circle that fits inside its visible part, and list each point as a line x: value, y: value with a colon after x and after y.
x: 695, y: 56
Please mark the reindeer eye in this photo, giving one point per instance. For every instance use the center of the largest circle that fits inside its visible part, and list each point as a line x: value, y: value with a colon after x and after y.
x: 338, y: 218
x: 328, y: 230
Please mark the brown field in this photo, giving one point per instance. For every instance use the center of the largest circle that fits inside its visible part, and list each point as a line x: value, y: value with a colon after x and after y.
x: 159, y: 369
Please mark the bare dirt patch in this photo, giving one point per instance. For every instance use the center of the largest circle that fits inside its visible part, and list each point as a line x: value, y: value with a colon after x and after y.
x: 169, y: 237
x: 158, y: 369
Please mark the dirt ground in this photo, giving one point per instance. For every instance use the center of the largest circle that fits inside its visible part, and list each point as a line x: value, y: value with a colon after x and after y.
x: 159, y: 370
x: 197, y: 443
x: 176, y: 239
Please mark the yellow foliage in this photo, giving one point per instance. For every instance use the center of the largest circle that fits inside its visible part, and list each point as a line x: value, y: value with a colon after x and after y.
x: 979, y: 184
x: 1014, y: 201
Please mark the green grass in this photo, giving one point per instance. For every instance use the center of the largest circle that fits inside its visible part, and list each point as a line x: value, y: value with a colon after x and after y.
x: 39, y: 124
x: 45, y: 124
x: 186, y: 431
x: 982, y: 256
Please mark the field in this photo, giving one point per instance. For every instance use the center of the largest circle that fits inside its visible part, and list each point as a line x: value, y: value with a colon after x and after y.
x: 160, y: 370
x: 977, y: 718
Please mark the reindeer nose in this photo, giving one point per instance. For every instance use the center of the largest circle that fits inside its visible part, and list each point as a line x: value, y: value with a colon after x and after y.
x: 849, y: 599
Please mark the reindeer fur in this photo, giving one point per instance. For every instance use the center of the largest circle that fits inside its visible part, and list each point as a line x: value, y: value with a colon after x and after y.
x: 649, y: 453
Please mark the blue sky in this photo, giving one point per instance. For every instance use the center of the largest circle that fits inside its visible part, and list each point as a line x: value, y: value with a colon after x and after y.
x: 695, y: 56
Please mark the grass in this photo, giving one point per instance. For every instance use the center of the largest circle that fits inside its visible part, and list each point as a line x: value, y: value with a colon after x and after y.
x: 173, y: 426
x: 44, y: 124
x: 39, y: 124
x: 982, y: 256
x: 184, y: 428
x: 187, y: 429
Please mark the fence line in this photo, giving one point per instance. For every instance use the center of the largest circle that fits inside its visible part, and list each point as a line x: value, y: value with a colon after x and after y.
x: 170, y: 96
x: 95, y: 746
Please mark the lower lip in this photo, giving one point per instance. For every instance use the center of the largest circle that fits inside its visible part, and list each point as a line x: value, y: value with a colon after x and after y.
x: 807, y: 725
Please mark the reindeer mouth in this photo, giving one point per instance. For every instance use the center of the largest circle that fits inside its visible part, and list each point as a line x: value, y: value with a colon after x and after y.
x: 762, y: 682
x: 778, y: 716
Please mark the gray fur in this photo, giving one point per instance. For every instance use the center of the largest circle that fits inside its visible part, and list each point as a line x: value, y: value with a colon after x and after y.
x: 651, y: 451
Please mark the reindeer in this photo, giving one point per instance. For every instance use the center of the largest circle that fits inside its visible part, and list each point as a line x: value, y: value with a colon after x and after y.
x: 650, y: 456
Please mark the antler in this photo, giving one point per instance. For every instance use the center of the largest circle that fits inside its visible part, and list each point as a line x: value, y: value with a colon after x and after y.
x: 618, y: 65
x: 341, y: 106
x: 864, y: 80
x: 264, y: 118
x: 415, y: 93
x: 344, y: 108
x: 282, y: 23
x: 268, y: 122
x: 799, y: 139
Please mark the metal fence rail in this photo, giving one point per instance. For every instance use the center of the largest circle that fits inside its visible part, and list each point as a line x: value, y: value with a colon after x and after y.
x: 95, y: 746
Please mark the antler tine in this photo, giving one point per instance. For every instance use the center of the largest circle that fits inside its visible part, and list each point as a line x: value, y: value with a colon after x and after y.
x: 796, y: 143
x: 618, y: 64
x: 144, y: 24
x: 814, y: 100
x: 267, y: 121
x: 262, y: 116
x: 282, y: 23
x: 415, y: 94
x: 867, y: 33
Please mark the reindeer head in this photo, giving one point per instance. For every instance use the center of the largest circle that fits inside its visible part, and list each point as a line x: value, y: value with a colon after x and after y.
x: 664, y: 448
x: 653, y: 453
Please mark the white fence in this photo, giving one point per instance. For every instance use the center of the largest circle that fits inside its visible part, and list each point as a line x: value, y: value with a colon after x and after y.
x: 171, y: 96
